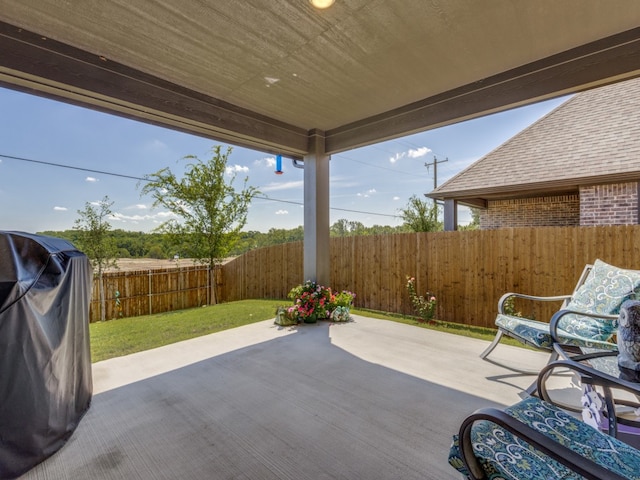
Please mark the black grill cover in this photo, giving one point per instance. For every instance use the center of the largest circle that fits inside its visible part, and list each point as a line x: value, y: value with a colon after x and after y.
x: 45, y: 360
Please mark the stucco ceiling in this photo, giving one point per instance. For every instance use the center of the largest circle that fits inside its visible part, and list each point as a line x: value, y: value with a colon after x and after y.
x: 273, y: 74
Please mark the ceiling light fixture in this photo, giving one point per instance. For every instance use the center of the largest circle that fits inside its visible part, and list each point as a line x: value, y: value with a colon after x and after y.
x: 322, y: 3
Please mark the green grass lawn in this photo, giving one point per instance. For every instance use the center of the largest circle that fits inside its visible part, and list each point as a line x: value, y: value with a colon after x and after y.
x: 123, y: 336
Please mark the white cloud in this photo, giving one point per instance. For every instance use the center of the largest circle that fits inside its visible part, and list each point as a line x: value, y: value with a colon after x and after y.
x: 397, y: 157
x: 155, y: 145
x: 267, y: 162
x: 165, y: 214
x: 344, y: 182
x: 236, y: 169
x: 139, y: 206
x: 91, y: 179
x: 395, y: 199
x: 60, y: 209
x: 155, y: 217
x: 411, y: 153
x: 282, y: 212
x: 272, y: 187
x: 420, y: 152
x: 367, y: 194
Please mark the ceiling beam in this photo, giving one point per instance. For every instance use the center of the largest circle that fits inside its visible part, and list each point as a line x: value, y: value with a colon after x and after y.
x: 591, y: 65
x: 41, y: 66
x: 34, y: 64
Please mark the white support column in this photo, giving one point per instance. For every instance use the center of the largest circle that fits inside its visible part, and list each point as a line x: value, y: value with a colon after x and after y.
x: 316, y: 211
x: 450, y: 215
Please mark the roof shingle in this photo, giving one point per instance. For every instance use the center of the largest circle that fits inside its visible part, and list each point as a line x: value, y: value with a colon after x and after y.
x: 594, y: 137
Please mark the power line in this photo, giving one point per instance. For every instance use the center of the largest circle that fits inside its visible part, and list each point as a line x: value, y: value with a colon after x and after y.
x: 72, y: 167
x: 366, y: 213
x: 292, y: 202
x: 89, y: 170
x: 375, y: 166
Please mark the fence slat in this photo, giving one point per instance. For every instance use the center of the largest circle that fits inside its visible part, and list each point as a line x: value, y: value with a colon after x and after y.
x: 468, y: 271
x: 144, y: 291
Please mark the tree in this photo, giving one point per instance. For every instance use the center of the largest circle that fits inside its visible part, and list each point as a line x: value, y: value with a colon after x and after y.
x: 209, y: 212
x: 345, y: 228
x: 420, y: 215
x: 475, y: 221
x: 94, y: 240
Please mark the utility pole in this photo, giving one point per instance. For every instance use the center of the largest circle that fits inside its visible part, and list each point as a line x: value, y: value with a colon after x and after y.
x: 435, y: 170
x: 450, y: 208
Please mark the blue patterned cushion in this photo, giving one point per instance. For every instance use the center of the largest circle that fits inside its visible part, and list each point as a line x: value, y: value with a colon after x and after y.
x: 603, y: 291
x: 537, y: 334
x: 527, y: 331
x: 503, y: 456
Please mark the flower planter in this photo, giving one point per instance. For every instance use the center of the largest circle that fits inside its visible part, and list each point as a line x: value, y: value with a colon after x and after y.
x: 310, y: 319
x: 283, y: 318
x: 340, y: 314
x: 313, y: 302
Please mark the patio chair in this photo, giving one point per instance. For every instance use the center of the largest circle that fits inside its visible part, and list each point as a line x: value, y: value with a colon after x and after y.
x: 535, y: 439
x: 587, y: 317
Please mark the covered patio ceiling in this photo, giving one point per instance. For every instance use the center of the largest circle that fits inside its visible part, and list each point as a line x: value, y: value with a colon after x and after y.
x: 278, y: 75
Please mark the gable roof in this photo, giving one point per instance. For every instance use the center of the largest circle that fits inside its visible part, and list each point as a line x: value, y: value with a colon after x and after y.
x: 592, y: 138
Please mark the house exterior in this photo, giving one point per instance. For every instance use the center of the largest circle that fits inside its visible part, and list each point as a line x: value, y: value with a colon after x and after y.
x: 577, y: 166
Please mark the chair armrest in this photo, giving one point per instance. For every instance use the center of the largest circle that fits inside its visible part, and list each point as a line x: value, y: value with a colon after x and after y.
x: 603, y: 379
x: 555, y: 319
x: 572, y: 460
x: 593, y: 376
x: 506, y: 296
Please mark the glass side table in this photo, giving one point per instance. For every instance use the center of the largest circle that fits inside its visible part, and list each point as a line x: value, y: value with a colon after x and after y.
x: 603, y: 386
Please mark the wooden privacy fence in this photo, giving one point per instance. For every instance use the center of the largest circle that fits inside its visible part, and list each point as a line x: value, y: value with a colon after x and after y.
x: 467, y: 271
x: 142, y: 292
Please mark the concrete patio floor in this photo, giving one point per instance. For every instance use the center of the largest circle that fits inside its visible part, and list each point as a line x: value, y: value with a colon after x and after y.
x: 369, y: 399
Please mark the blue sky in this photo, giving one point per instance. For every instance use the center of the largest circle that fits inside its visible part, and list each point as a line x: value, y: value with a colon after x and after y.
x: 378, y: 179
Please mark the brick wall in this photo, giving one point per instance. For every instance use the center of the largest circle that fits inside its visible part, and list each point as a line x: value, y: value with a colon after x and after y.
x: 553, y: 211
x: 614, y: 204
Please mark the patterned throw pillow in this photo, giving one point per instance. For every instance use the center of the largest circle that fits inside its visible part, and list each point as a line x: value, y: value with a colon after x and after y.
x: 603, y: 291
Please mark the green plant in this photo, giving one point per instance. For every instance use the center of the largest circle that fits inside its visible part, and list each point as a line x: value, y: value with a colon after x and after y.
x: 208, y: 212
x: 424, y: 305
x: 312, y: 300
x: 343, y: 299
x: 340, y: 314
x: 295, y: 292
x: 509, y: 307
x: 286, y: 316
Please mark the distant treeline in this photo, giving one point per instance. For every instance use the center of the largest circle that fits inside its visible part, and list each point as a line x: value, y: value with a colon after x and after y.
x: 155, y: 245
x: 129, y: 244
